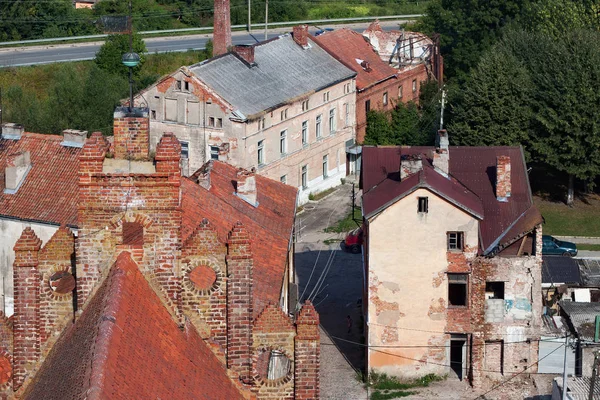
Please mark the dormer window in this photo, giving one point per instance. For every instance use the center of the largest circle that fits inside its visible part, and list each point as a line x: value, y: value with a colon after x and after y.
x: 178, y: 85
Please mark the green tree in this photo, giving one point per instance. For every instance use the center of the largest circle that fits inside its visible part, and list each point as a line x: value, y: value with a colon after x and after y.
x: 110, y: 54
x: 379, y: 130
x: 467, y: 28
x: 494, y: 105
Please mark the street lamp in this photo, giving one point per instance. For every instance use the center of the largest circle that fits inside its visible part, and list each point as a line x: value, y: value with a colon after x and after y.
x: 131, y: 60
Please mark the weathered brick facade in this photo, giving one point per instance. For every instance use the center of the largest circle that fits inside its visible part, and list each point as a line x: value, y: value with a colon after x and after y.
x: 204, y: 282
x: 222, y: 28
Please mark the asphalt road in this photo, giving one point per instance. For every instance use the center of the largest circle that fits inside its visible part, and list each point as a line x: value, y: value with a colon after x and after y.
x: 32, y: 55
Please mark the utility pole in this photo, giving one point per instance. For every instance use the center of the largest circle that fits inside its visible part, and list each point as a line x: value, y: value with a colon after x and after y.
x: 249, y: 23
x: 564, y: 391
x: 594, y: 373
x: 442, y: 110
x: 266, y: 18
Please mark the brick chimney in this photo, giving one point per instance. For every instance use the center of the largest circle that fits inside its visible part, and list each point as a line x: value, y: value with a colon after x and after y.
x: 246, y: 187
x: 74, y: 138
x: 239, y: 302
x: 441, y: 157
x: 9, y: 130
x: 17, y: 167
x: 503, y: 185
x: 301, y: 35
x: 410, y: 164
x: 246, y: 52
x: 26, y: 323
x: 168, y: 154
x: 131, y: 133
x: 222, y: 27
x: 307, y: 354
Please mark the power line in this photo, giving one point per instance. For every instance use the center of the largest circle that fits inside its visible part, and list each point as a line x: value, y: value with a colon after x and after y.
x: 428, y: 331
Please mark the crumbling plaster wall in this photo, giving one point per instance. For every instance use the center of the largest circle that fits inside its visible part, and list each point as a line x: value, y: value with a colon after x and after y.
x: 408, y: 285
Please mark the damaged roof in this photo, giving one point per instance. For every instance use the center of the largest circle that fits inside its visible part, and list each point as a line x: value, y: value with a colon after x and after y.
x: 582, y: 316
x: 127, y: 345
x: 350, y: 47
x: 50, y: 189
x: 269, y: 225
x: 283, y: 72
x: 475, y: 169
x: 560, y: 270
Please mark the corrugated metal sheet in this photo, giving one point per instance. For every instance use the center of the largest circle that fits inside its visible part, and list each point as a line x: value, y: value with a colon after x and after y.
x: 475, y: 168
x: 283, y: 71
x: 582, y: 316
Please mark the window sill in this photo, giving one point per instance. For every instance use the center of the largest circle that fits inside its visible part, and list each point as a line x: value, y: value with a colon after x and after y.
x: 455, y: 250
x: 451, y: 307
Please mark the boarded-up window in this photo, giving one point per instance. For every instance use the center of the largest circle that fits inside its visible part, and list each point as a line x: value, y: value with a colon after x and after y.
x: 494, y: 356
x: 193, y: 113
x: 133, y: 234
x: 171, y: 109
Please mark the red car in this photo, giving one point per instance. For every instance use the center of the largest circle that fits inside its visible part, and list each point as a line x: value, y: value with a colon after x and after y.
x: 354, y: 241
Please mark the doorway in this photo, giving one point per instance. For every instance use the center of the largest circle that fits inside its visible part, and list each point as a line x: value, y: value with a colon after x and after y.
x: 458, y: 347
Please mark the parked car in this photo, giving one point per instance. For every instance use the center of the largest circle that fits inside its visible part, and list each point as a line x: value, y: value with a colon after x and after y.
x: 354, y: 241
x: 553, y: 246
x: 322, y: 31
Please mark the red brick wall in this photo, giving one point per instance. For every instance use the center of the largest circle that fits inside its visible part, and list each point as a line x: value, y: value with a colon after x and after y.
x: 131, y: 134
x: 307, y: 354
x: 375, y: 94
x: 26, y: 325
x: 239, y: 302
x: 206, y: 308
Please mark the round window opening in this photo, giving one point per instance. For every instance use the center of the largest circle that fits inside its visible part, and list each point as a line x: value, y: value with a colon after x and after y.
x: 62, y: 282
x: 272, y: 365
x: 5, y: 370
x: 203, y: 277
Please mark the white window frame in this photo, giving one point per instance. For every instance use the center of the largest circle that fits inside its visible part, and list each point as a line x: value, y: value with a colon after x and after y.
x: 304, y: 176
x: 260, y: 153
x: 332, y: 121
x: 214, y: 151
x: 325, y: 166
x: 283, y: 142
x: 319, y: 126
x: 304, y: 133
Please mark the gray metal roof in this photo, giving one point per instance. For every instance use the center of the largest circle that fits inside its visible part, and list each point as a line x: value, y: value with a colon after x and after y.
x: 582, y: 316
x: 283, y: 71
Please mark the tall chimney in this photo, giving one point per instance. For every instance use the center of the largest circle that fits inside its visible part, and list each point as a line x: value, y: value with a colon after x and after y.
x: 26, y: 324
x: 410, y: 164
x: 131, y: 133
x: 222, y: 28
x: 503, y: 185
x: 301, y: 35
x: 17, y: 166
x: 246, y: 187
x: 441, y: 157
x: 9, y: 130
x: 246, y: 52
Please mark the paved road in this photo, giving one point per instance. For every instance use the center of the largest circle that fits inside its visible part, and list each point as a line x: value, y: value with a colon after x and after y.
x: 46, y: 54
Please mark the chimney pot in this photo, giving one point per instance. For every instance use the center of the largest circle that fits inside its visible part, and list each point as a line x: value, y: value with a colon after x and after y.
x: 503, y: 180
x: 17, y: 167
x: 10, y: 130
x: 301, y: 35
x: 246, y: 52
x: 410, y: 164
x: 246, y: 187
x: 74, y: 138
x: 441, y: 157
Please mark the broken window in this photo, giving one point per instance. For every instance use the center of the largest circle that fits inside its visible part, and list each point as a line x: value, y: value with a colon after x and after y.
x: 494, y: 290
x: 153, y: 112
x: 457, y: 290
x: 455, y: 241
x: 283, y: 179
x: 186, y: 86
x: 133, y: 234
x: 423, y: 204
x: 178, y: 85
x: 211, y: 121
x: 219, y: 123
x: 214, y: 152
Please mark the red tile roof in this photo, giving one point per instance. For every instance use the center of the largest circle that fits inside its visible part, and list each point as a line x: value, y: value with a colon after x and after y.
x: 473, y: 167
x: 126, y: 345
x: 269, y: 225
x: 50, y: 189
x: 347, y: 46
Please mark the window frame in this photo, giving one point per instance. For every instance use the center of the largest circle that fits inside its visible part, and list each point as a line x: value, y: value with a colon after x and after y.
x: 347, y: 114
x: 304, y: 133
x: 459, y: 240
x: 400, y: 92
x: 260, y: 152
x: 283, y: 179
x: 214, y: 150
x: 319, y: 126
x: 332, y: 121
x: 423, y: 204
x: 219, y: 123
x: 454, y: 279
x: 185, y: 149
x: 304, y: 176
x: 385, y: 98
x: 283, y: 142
x: 325, y: 166
x: 414, y: 86
x: 367, y: 106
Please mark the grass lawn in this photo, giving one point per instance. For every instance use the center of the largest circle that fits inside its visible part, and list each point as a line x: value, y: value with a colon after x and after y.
x: 592, y: 247
x: 581, y: 220
x: 319, y: 195
x: 388, y: 387
x: 347, y: 223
